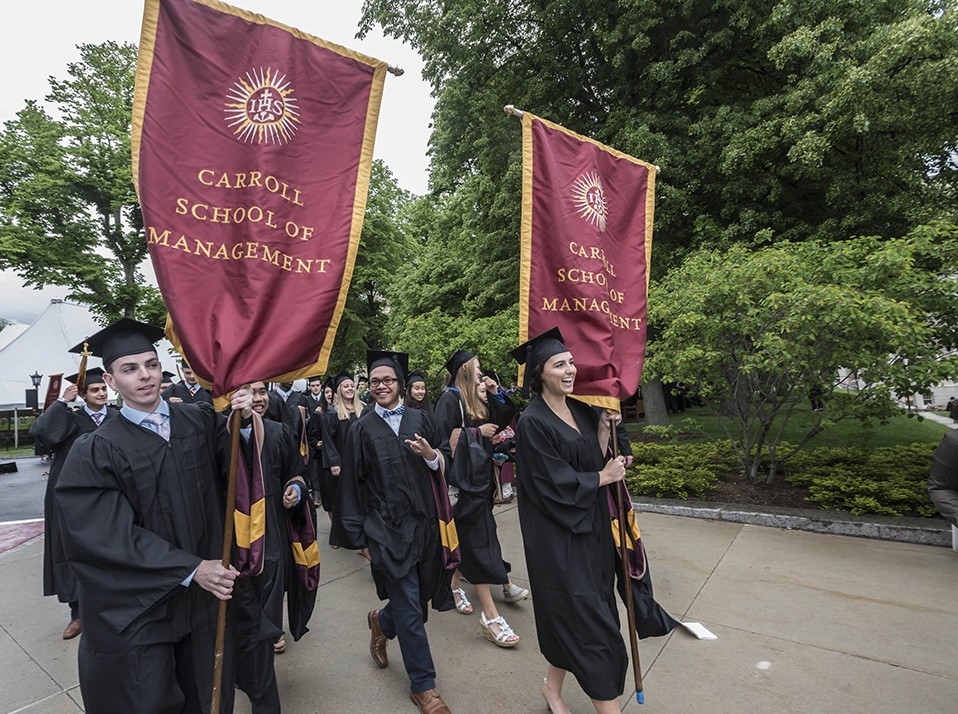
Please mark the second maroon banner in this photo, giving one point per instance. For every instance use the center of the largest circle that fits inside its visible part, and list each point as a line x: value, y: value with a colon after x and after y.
x: 586, y: 241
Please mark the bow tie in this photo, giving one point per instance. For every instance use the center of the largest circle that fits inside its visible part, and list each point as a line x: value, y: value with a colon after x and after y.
x: 400, y: 410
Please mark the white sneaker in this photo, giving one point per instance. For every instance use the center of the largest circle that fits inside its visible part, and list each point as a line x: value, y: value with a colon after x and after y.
x: 515, y: 594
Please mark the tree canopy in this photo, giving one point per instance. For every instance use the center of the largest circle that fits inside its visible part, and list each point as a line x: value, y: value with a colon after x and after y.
x: 756, y: 333
x: 789, y: 121
x: 68, y: 210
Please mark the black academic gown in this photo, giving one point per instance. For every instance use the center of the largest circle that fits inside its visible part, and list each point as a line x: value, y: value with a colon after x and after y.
x: 138, y: 516
x: 387, y: 504
x: 472, y: 473
x: 570, y: 554
x: 259, y: 600
x: 58, y: 427
x: 334, y: 431
x: 183, y: 392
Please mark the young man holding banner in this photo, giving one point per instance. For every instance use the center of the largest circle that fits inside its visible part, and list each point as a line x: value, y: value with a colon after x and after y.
x: 141, y: 505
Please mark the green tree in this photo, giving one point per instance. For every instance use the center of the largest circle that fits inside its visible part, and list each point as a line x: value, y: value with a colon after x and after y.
x: 68, y: 210
x: 753, y: 333
x: 822, y: 119
x: 384, y: 247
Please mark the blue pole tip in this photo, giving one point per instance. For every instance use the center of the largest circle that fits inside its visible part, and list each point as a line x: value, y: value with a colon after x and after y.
x: 640, y: 697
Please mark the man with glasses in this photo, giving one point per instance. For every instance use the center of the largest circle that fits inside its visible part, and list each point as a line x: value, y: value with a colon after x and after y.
x: 389, y: 482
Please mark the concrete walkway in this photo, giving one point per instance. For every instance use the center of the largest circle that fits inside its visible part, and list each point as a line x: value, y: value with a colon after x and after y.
x: 806, y: 622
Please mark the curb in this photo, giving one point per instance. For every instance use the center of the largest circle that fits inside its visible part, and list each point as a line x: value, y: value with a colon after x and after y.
x: 920, y: 531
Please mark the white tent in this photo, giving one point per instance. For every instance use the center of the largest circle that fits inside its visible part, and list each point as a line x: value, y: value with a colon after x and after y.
x: 9, y: 333
x: 42, y: 349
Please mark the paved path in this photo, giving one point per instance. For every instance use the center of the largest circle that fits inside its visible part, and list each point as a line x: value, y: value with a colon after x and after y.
x: 806, y: 622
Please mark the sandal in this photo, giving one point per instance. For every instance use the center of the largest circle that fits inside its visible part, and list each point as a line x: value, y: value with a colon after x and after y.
x: 504, y: 638
x: 462, y: 603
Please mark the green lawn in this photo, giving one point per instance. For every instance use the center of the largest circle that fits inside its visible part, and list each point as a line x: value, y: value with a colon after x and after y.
x: 6, y: 453
x: 848, y: 433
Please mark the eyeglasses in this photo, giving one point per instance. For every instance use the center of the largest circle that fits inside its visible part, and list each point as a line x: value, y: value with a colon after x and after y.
x: 385, y: 381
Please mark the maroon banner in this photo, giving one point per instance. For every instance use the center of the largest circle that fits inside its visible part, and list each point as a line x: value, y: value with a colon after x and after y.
x: 586, y: 239
x: 252, y: 149
x: 53, y: 389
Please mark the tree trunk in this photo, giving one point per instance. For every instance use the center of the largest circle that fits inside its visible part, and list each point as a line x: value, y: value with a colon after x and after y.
x: 653, y: 401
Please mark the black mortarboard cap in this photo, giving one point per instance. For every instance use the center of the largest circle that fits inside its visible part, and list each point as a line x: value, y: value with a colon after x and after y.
x: 93, y: 376
x: 339, y: 379
x: 492, y: 374
x: 167, y: 375
x: 123, y: 337
x: 415, y: 376
x: 459, y: 358
x: 314, y: 378
x: 539, y: 348
x: 399, y: 361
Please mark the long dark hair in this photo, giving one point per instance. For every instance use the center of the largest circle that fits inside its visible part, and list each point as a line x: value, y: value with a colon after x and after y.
x: 533, y: 378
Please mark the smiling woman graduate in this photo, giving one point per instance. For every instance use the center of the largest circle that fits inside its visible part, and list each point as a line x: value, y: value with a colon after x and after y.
x: 562, y: 461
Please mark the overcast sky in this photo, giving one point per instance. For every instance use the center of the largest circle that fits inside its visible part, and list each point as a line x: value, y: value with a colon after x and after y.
x: 39, y: 39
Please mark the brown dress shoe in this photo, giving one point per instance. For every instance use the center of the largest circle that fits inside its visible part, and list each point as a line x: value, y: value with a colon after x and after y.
x: 429, y: 702
x: 377, y: 640
x: 72, y: 630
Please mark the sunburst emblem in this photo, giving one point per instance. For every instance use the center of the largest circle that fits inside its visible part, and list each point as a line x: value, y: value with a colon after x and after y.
x: 261, y: 109
x: 589, y: 198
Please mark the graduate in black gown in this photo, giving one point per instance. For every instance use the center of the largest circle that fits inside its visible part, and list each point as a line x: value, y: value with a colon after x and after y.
x: 259, y: 599
x: 391, y: 478
x: 336, y: 423
x: 58, y: 427
x: 315, y: 407
x: 565, y: 469
x: 417, y: 394
x: 462, y: 419
x: 141, y: 503
x: 189, y: 390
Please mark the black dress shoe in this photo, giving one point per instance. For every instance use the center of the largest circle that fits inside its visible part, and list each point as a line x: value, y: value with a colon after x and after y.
x: 377, y: 640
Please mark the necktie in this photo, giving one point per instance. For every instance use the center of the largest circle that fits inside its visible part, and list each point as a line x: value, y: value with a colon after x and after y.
x: 97, y: 417
x: 400, y: 410
x: 158, y: 424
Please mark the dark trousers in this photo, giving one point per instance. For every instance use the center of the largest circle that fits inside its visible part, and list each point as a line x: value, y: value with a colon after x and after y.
x: 402, y: 618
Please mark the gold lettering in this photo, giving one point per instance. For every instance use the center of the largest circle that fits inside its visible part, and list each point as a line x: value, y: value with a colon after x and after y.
x: 162, y: 239
x: 271, y: 256
x: 221, y: 254
x: 181, y: 244
x: 203, y: 247
x: 193, y: 211
x: 202, y: 180
x: 549, y: 306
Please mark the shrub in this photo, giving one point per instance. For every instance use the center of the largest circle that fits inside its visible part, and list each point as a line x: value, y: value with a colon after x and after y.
x: 892, y: 480
x: 678, y: 470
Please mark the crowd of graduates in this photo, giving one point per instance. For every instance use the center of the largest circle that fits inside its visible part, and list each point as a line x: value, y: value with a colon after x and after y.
x: 388, y: 465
